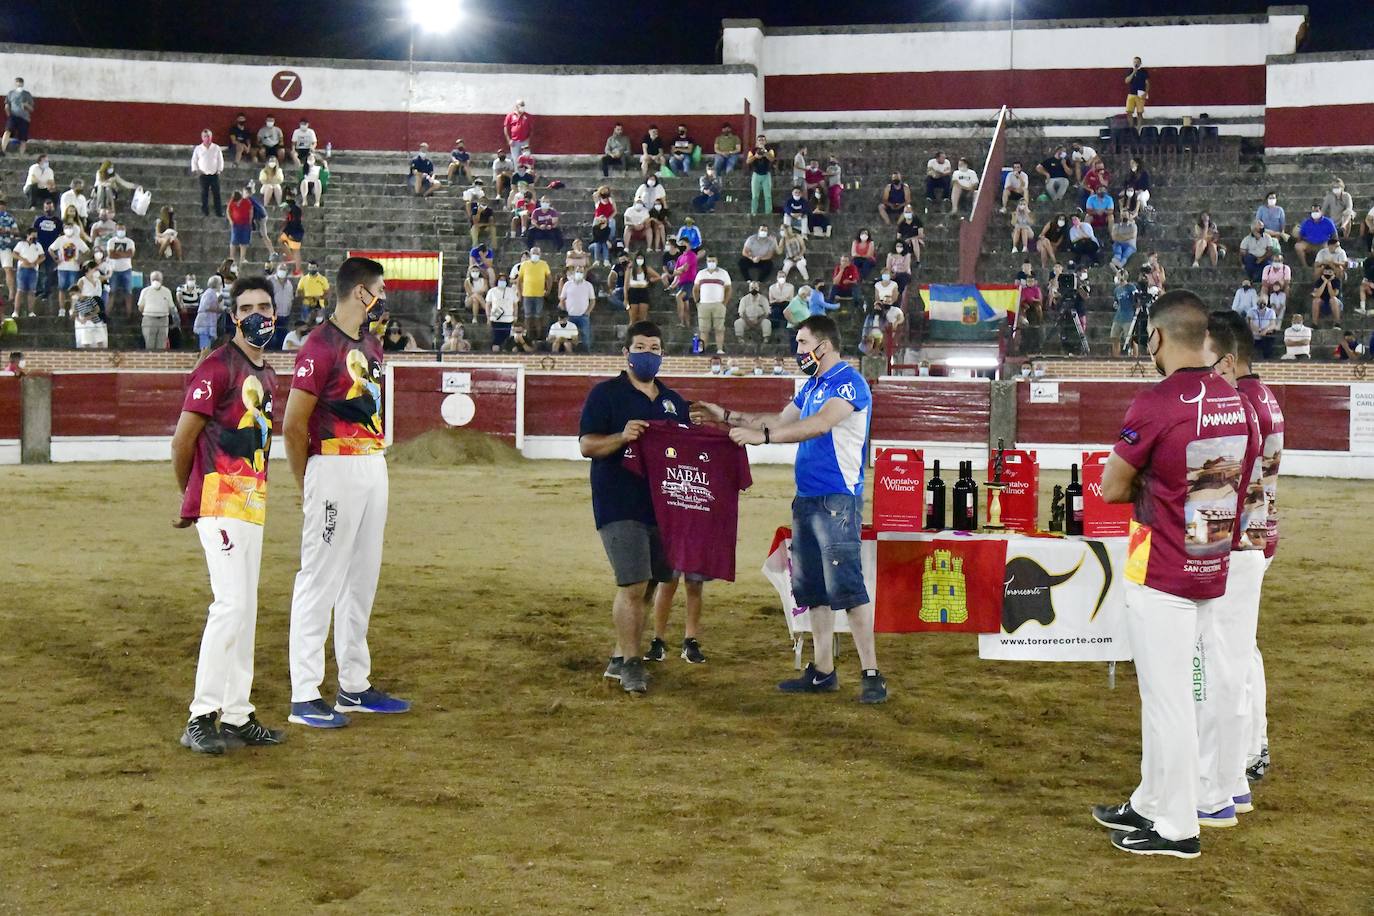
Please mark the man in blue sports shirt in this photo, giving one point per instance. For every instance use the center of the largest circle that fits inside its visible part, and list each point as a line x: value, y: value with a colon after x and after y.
x: 829, y: 420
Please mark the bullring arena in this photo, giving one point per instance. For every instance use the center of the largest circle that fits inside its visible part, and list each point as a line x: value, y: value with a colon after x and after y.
x: 523, y: 781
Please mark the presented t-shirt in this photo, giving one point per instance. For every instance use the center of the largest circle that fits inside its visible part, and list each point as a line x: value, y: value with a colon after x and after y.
x: 229, y: 469
x: 834, y: 461
x: 617, y: 494
x: 694, y: 474
x: 1251, y: 531
x: 346, y: 375
x: 1188, y: 436
x: 1271, y: 451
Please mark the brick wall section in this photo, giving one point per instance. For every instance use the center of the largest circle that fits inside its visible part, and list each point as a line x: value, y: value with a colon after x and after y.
x: 51, y: 360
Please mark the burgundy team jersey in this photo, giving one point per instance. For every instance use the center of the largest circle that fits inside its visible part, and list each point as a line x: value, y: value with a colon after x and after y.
x: 1271, y: 451
x: 695, y: 474
x: 1188, y: 436
x: 1251, y: 532
x: 229, y: 470
x: 346, y: 375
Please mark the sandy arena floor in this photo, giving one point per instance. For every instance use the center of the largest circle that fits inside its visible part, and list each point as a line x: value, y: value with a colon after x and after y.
x: 522, y: 784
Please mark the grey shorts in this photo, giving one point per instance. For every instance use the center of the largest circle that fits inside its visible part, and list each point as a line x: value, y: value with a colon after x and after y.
x: 636, y: 552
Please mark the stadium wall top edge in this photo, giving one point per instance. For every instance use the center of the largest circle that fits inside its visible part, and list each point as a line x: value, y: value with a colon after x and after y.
x: 374, y: 64
x: 1026, y: 24
x: 1325, y: 57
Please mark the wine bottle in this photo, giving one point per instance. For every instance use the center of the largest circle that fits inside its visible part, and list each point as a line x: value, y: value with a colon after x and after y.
x: 1073, y: 523
x: 965, y: 499
x: 935, y: 502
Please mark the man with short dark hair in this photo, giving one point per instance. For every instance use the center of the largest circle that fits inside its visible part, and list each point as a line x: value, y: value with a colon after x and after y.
x: 680, y: 155
x: 1179, y: 459
x: 242, y: 138
x: 616, y: 414
x: 651, y: 156
x: 616, y: 152
x: 829, y: 419
x: 1137, y: 91
x: 726, y: 150
x: 335, y: 445
x: 220, y: 457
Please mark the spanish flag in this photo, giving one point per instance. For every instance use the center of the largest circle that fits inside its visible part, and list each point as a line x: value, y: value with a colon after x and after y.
x: 407, y: 269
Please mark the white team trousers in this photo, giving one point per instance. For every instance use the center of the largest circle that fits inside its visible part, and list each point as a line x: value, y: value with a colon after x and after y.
x: 224, y: 674
x: 1163, y: 632
x: 341, y: 556
x: 1226, y: 648
x: 1256, y: 691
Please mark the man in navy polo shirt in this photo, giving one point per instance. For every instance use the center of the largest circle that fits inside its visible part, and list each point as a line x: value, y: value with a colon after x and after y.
x: 1313, y: 232
x: 829, y: 420
x: 616, y: 413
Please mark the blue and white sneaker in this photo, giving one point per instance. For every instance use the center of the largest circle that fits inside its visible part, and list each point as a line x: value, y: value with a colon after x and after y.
x: 1226, y: 817
x: 316, y: 714
x: 370, y: 700
x: 812, y: 681
x: 1244, y: 803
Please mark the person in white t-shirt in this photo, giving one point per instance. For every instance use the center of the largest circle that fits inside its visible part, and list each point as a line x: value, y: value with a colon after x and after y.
x: 1016, y: 187
x: 68, y: 250
x: 965, y: 183
x: 75, y: 196
x: 296, y: 339
x: 563, y: 335
x: 503, y: 303
x: 577, y: 299
x: 28, y: 257
x: 303, y: 140
x: 711, y: 292
x: 939, y: 178
x: 1297, y: 339
x: 119, y: 256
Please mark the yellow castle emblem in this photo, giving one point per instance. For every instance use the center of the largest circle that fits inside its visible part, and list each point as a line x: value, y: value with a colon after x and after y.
x: 944, y: 598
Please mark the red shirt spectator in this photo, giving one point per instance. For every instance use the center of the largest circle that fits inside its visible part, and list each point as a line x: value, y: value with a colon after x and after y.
x: 241, y: 212
x: 1098, y: 177
x: 518, y: 128
x: 844, y: 278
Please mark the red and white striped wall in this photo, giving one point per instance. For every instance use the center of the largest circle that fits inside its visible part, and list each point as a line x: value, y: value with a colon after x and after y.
x: 1042, y: 69
x: 1320, y: 103
x: 133, y: 97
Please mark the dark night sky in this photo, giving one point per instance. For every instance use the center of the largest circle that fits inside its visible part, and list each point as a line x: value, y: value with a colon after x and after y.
x: 566, y: 32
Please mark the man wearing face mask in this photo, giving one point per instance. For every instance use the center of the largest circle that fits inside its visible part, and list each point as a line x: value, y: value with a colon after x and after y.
x: 312, y: 288
x: 336, y: 448
x: 577, y: 299
x: 711, y: 292
x: 616, y: 414
x: 283, y: 298
x: 1313, y: 233
x: 1179, y: 459
x: 220, y: 456
x: 156, y: 305
x: 829, y: 419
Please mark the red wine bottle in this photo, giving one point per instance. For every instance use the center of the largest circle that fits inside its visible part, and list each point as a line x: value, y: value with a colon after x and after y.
x: 965, y: 499
x: 1073, y: 522
x: 935, y: 502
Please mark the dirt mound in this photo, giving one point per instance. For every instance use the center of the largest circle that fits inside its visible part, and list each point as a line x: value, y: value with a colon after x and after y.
x: 440, y: 448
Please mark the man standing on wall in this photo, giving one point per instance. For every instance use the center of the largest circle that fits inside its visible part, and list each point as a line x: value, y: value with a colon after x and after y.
x: 829, y: 420
x: 219, y: 454
x: 518, y: 130
x: 18, y: 114
x: 1178, y: 459
x: 1137, y: 91
x: 335, y: 443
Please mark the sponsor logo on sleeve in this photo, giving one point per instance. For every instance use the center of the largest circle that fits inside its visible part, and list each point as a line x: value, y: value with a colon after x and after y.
x: 306, y: 368
x: 203, y: 391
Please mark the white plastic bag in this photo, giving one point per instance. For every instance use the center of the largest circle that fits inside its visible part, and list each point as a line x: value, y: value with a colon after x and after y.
x: 140, y: 201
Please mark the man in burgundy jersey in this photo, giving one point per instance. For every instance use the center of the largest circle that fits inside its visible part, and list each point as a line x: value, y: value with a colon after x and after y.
x: 1226, y: 645
x: 219, y: 454
x: 1271, y: 453
x: 694, y: 476
x: 335, y: 445
x: 1179, y: 460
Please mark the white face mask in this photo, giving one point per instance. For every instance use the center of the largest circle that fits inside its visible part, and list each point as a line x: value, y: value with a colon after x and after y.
x: 577, y: 278
x: 501, y: 283
x: 863, y: 236
x: 763, y: 233
x: 710, y: 265
x: 887, y: 277
x: 156, y: 284
x: 1271, y: 201
x: 282, y: 273
x: 70, y: 231
x: 1333, y: 191
x: 1316, y: 214
x: 119, y: 233
x: 1060, y: 222
x: 535, y: 257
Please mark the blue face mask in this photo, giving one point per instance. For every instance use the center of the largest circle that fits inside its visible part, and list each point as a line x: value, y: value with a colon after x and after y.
x: 257, y: 329
x: 645, y: 365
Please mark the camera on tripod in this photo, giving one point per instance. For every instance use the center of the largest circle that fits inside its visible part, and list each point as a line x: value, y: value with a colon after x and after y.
x: 1072, y: 288
x: 1145, y: 296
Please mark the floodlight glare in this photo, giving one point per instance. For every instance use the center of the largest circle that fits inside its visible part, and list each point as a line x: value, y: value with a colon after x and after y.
x: 435, y: 16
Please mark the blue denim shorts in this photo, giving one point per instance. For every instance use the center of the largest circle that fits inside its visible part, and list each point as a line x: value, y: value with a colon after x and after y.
x: 827, y: 552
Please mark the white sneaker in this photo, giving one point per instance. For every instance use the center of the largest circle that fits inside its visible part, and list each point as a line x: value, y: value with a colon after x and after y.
x: 61, y: 313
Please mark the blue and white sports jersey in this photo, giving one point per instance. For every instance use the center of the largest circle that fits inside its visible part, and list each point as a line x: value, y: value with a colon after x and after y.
x: 834, y: 462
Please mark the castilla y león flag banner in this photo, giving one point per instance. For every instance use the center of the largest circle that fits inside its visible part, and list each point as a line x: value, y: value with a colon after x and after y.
x: 947, y: 585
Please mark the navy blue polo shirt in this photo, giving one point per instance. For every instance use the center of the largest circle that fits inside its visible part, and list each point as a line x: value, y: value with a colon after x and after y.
x: 617, y: 494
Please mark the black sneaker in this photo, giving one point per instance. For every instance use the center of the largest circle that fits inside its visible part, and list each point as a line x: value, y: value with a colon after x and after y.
x: 873, y: 687
x: 658, y: 651
x: 691, y: 651
x: 1121, y: 817
x: 614, y: 669
x: 633, y: 677
x: 201, y: 735
x: 1149, y: 843
x: 251, y: 734
x: 1255, y: 771
x: 811, y: 681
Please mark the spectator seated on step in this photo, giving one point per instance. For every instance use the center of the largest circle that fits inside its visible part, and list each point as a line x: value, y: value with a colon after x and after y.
x: 459, y: 162
x: 1297, y: 338
x: 616, y: 152
x: 815, y: 176
x: 1313, y: 232
x: 1270, y: 215
x: 1326, y: 296
x: 1255, y: 252
x: 912, y: 231
x: 1057, y: 172
x: 796, y: 211
x: 652, y: 156
x: 754, y: 321
x: 680, y: 153
x: 708, y: 195
x: 544, y: 230
x: 1338, y: 207
x: 1246, y: 300
x: 422, y: 181
x: 1100, y: 207
x: 939, y: 178
x: 1015, y: 187
x: 1083, y: 241
x: 1275, y: 282
x: 1334, y: 255
x: 726, y: 150
x: 243, y: 140
x: 563, y: 335
x: 845, y: 283
x: 895, y: 198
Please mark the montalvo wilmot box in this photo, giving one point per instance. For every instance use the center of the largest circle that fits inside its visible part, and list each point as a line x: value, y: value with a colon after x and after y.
x: 899, y: 483
x: 1101, y: 519
x: 1020, y: 489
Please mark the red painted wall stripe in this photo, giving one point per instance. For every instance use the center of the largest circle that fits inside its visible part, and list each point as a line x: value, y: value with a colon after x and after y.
x: 1067, y: 88
x: 148, y: 122
x: 1319, y: 125
x: 9, y: 407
